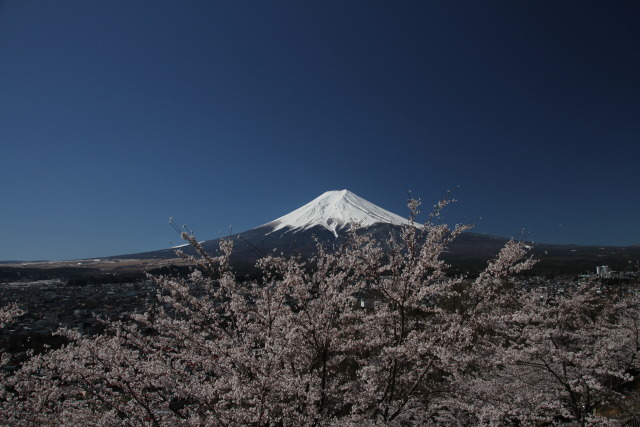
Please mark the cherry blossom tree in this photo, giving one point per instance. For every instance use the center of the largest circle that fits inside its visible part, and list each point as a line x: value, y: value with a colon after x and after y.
x: 356, y: 334
x: 552, y: 357
x: 7, y: 314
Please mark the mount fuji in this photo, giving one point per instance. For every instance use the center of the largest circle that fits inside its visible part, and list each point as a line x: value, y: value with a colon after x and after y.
x: 328, y: 217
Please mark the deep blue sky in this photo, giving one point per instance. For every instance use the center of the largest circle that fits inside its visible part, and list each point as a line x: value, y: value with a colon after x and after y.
x: 117, y: 114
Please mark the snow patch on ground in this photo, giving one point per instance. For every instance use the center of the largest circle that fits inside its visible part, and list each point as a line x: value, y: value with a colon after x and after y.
x: 184, y: 245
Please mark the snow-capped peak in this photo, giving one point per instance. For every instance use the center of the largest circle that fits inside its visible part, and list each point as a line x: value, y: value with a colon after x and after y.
x: 334, y: 210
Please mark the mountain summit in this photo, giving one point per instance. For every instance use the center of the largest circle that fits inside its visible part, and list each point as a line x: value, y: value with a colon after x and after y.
x: 334, y: 210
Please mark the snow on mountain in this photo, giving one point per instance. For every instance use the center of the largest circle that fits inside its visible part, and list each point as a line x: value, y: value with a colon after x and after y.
x: 334, y: 210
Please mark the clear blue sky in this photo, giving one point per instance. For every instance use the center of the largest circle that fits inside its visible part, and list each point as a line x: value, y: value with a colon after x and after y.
x: 117, y: 114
